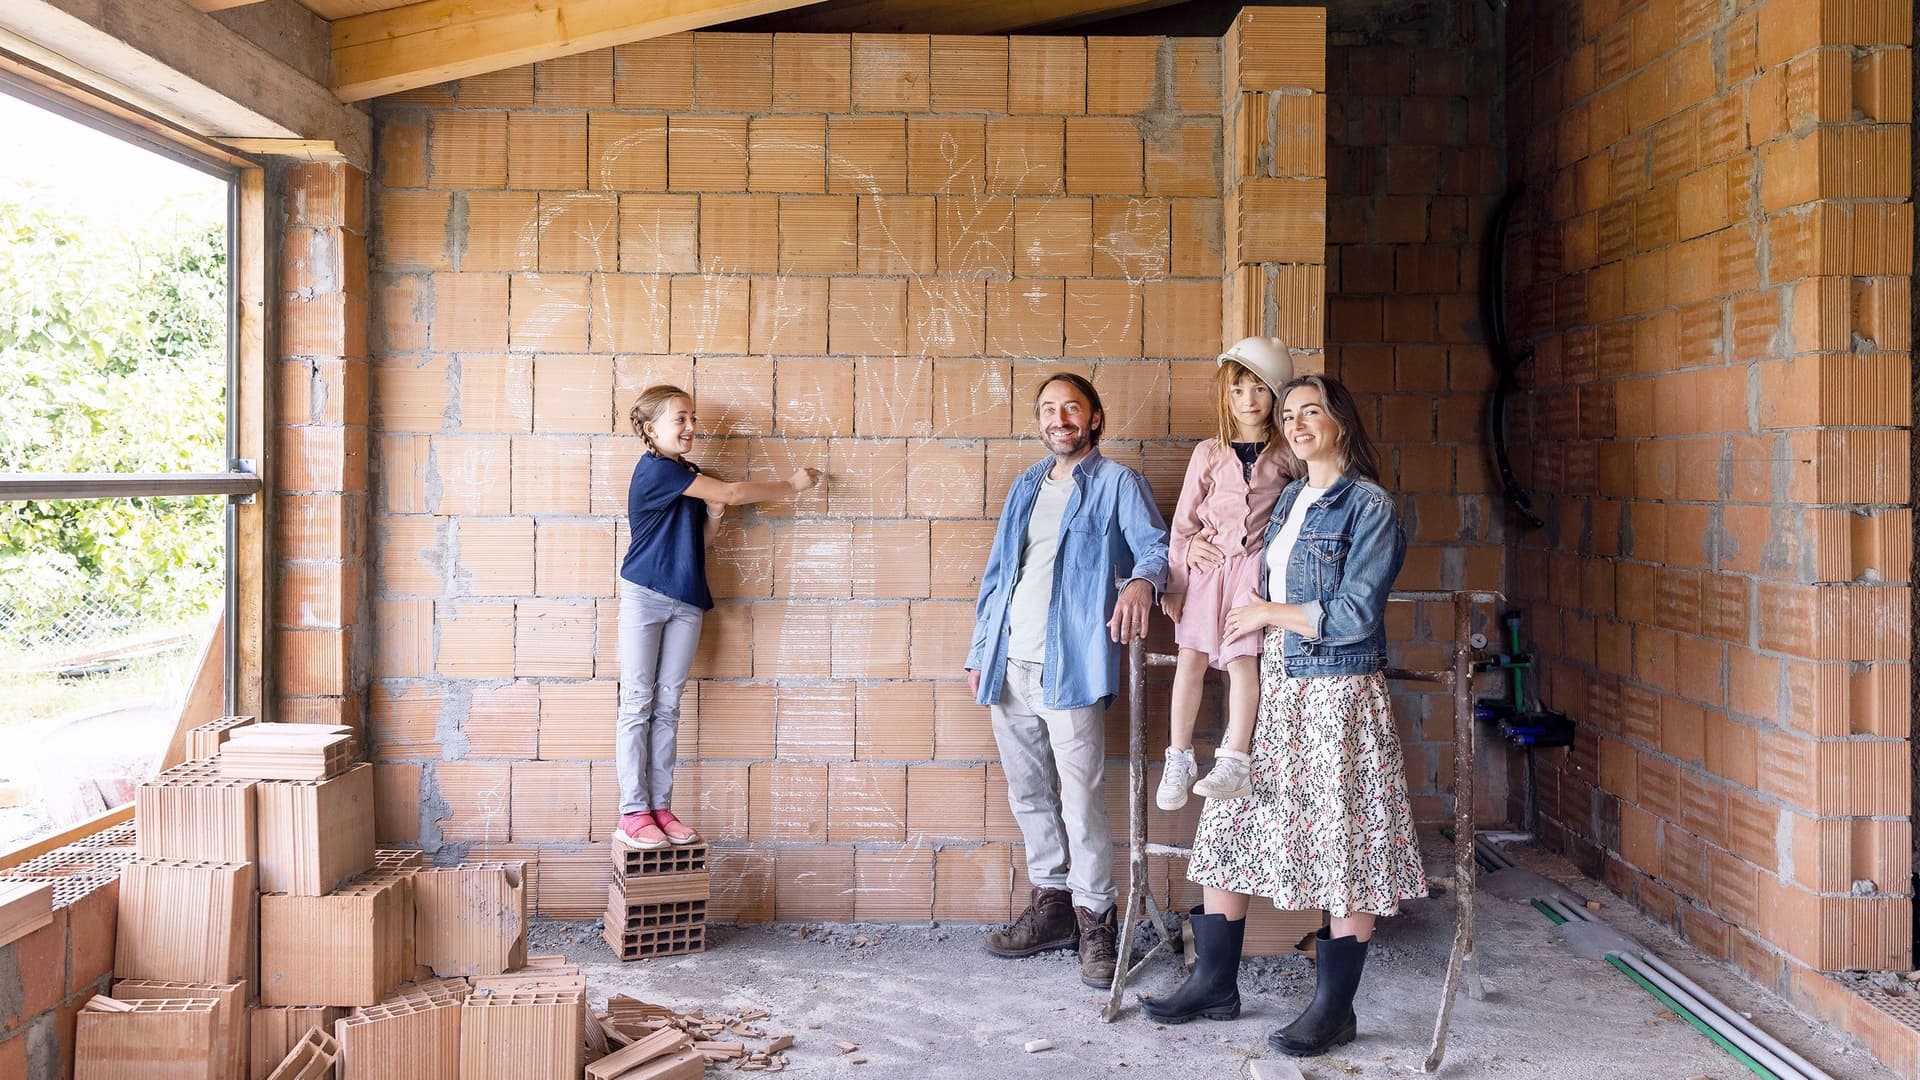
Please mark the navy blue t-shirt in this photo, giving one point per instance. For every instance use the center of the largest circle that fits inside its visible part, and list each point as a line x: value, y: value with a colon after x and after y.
x: 667, y: 552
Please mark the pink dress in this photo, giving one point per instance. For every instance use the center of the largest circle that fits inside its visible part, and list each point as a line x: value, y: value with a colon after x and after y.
x: 1218, y: 503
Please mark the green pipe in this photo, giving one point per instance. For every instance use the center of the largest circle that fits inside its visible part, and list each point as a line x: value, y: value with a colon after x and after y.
x: 1688, y: 1015
x: 1519, y: 679
x: 1675, y: 1007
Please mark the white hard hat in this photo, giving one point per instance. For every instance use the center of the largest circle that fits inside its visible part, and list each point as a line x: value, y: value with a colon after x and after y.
x: 1267, y: 357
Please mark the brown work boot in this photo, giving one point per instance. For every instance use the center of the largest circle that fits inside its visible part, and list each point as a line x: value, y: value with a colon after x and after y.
x: 1096, y: 947
x: 1046, y: 924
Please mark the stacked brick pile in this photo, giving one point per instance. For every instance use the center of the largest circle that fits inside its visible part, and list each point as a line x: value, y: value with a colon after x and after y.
x: 657, y: 902
x: 260, y: 936
x: 61, y: 963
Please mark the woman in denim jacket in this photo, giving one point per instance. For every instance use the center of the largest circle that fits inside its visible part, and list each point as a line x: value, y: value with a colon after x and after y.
x: 1328, y: 824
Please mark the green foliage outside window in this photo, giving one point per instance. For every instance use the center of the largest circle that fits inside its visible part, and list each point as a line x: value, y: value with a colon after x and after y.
x: 112, y: 359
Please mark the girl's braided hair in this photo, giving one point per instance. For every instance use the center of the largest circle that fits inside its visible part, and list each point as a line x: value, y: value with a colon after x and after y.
x: 647, y: 408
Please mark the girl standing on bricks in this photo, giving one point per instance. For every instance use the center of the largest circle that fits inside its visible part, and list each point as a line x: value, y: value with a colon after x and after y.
x: 1328, y: 824
x: 672, y: 513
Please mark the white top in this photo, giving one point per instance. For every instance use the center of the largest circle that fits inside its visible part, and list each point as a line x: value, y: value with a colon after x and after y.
x: 1033, y: 589
x: 1281, y: 549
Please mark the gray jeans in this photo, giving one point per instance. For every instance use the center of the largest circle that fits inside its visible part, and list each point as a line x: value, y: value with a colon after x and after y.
x: 1040, y: 747
x: 658, y: 637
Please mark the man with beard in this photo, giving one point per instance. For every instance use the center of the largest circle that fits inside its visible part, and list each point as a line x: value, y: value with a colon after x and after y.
x: 1046, y: 666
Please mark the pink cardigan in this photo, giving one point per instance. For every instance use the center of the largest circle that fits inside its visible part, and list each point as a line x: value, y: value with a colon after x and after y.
x: 1214, y: 498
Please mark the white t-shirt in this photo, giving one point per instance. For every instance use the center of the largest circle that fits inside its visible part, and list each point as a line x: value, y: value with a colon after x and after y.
x: 1033, y: 589
x: 1281, y: 549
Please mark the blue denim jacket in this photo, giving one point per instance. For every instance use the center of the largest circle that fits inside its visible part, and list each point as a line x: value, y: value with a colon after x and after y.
x: 1342, y: 568
x: 1111, y: 527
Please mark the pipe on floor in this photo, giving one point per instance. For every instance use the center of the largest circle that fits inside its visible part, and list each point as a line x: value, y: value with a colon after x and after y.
x: 1733, y: 1018
x: 1569, y: 912
x: 1770, y: 1052
x: 1776, y: 1056
x: 1558, y: 914
x: 1683, y: 1012
x: 1705, y: 997
x: 1492, y: 854
x: 1771, y: 1061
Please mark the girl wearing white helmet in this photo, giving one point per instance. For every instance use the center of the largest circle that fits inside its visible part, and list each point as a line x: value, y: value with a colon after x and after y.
x: 1218, y: 533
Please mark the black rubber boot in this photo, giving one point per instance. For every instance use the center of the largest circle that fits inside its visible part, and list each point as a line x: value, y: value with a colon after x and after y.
x: 1328, y: 1021
x: 1213, y: 989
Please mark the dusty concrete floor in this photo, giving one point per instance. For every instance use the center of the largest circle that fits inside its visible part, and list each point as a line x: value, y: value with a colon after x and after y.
x: 929, y: 1003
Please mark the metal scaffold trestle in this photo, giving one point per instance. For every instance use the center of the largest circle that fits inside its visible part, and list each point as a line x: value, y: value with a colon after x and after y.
x: 1458, y: 679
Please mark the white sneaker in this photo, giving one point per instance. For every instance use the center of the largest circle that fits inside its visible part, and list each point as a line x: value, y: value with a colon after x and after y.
x: 1231, y: 778
x: 1177, y: 778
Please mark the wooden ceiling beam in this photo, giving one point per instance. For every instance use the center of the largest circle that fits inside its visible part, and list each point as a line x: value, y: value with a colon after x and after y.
x: 385, y: 52
x: 220, y: 5
x: 185, y: 66
x: 950, y: 16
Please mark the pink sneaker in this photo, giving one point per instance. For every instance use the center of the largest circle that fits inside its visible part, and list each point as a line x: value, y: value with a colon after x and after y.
x: 639, y: 831
x: 676, y: 832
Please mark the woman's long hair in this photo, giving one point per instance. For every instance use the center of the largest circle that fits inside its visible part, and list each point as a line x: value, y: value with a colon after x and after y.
x: 1361, y: 457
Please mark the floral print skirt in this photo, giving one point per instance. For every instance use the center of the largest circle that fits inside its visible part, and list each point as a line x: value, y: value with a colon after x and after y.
x: 1328, y: 824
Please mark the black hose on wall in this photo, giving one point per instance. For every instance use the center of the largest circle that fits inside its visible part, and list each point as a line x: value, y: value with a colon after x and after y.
x: 1506, y: 363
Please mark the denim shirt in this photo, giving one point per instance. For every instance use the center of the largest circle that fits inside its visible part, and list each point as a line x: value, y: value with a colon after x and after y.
x: 1342, y: 568
x: 1110, y: 528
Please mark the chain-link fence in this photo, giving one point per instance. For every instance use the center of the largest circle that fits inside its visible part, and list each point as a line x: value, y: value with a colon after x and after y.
x: 82, y: 634
x: 86, y: 581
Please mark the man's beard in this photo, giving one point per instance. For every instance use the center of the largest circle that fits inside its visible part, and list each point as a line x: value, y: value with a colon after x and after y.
x: 1078, y: 444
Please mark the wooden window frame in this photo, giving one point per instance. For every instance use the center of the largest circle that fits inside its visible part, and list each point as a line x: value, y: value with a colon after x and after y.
x: 236, y: 684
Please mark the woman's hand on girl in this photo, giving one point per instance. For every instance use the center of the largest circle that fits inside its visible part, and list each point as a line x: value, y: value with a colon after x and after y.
x: 802, y: 479
x: 716, y: 509
x: 1172, y: 604
x: 1252, y: 614
x: 1202, y: 555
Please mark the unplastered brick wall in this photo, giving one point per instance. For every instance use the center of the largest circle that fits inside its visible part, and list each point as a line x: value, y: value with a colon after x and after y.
x: 1414, y: 159
x: 1712, y: 266
x: 47, y: 975
x: 318, y: 472
x: 859, y: 253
